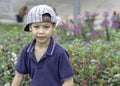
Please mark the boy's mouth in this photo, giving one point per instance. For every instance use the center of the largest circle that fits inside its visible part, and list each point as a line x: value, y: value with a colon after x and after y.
x: 41, y: 37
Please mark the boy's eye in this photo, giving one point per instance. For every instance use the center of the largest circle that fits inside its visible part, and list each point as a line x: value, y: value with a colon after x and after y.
x: 36, y: 26
x: 46, y: 27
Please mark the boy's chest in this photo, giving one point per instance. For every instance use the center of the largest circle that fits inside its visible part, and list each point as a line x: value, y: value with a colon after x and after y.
x: 39, y: 53
x: 47, y: 65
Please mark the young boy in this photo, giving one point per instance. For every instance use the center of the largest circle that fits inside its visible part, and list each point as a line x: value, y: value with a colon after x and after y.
x: 44, y: 60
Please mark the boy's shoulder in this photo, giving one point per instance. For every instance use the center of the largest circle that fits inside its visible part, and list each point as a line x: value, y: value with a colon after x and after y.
x: 28, y: 47
x: 60, y: 49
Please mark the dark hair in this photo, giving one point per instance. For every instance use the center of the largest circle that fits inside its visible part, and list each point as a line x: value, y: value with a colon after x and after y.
x: 47, y: 18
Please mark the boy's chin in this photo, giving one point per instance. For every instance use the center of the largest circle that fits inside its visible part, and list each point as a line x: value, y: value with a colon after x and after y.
x: 42, y: 40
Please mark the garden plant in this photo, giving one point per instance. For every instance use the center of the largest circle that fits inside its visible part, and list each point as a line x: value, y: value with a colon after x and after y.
x: 94, y: 53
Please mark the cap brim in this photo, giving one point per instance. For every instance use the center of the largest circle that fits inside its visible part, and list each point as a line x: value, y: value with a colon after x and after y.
x: 26, y: 28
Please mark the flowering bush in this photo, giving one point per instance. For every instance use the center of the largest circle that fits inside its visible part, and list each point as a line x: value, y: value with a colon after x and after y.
x: 95, y: 59
x: 115, y: 20
x: 11, y: 43
x: 88, y: 30
x: 95, y: 64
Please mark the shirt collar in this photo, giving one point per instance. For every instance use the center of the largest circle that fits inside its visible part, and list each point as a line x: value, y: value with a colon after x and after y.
x: 50, y: 49
x: 31, y: 46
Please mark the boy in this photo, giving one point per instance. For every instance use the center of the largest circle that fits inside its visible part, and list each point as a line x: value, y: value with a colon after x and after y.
x: 44, y: 60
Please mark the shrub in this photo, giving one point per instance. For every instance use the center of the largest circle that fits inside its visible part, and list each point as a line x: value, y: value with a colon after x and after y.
x: 94, y: 64
x: 95, y: 61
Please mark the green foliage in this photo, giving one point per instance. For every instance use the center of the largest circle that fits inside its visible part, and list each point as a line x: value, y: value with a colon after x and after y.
x: 12, y: 40
x: 95, y: 63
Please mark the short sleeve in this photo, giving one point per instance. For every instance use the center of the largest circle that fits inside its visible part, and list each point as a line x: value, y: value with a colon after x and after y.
x: 21, y: 66
x: 65, y: 68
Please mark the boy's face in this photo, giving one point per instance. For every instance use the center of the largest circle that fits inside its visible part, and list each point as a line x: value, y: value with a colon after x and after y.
x: 42, y: 31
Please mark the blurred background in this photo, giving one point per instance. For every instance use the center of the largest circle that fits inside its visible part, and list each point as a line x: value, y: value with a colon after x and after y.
x: 9, y: 8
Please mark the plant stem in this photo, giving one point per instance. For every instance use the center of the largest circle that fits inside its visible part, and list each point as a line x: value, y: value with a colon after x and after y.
x: 107, y: 34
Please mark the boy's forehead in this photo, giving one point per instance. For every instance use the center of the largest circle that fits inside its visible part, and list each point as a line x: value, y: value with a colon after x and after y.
x: 42, y: 23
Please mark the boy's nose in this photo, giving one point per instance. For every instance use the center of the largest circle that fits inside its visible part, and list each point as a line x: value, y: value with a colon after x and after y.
x: 40, y: 31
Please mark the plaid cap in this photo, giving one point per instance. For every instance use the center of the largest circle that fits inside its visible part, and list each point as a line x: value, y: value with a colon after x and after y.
x: 35, y: 15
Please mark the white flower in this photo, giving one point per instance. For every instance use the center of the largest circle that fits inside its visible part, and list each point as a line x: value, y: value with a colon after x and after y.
x: 1, y: 47
x: 15, y: 62
x: 12, y: 59
x: 7, y: 84
x: 14, y: 54
x: 93, y: 61
x: 8, y: 72
x: 68, y: 34
x: 117, y: 76
x: 2, y: 66
x: 5, y: 73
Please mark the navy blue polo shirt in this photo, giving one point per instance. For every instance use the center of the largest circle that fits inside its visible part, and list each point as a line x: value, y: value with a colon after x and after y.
x: 52, y: 69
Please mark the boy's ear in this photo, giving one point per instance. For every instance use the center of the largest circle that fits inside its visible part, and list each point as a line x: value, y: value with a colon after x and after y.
x: 54, y: 28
